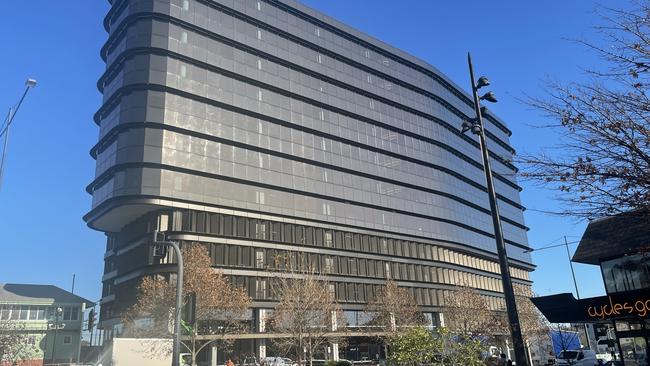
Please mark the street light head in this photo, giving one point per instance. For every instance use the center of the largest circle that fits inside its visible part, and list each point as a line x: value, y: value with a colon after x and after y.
x: 482, y: 81
x: 466, y: 126
x: 490, y: 97
x: 30, y: 83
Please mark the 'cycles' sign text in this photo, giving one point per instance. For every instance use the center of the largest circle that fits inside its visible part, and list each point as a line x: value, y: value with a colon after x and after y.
x: 639, y: 307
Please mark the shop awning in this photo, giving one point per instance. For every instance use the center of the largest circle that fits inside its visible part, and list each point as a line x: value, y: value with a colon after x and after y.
x: 564, y: 308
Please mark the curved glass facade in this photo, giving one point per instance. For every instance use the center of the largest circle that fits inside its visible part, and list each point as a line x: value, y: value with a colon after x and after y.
x: 273, y: 114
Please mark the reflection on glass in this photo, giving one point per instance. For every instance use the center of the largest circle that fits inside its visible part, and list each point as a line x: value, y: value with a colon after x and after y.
x: 634, y: 350
x: 627, y: 273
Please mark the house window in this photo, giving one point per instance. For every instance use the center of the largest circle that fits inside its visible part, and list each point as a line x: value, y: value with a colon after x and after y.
x: 67, y: 340
x: 184, y: 37
x: 33, y: 312
x: 186, y: 5
x: 71, y: 313
x: 24, y: 310
x: 5, y: 312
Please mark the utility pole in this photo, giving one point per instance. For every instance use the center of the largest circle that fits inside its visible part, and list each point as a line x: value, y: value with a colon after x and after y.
x: 568, y: 254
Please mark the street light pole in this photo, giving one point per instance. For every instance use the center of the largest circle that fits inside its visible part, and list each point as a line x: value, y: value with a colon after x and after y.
x: 159, y: 240
x: 477, y: 128
x: 59, y: 311
x: 4, y: 129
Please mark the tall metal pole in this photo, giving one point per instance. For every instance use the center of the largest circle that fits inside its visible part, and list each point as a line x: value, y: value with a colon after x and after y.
x: 575, y: 283
x: 5, y: 143
x: 511, y: 305
x: 56, y: 332
x: 4, y: 130
x: 179, y: 305
x: 179, y: 298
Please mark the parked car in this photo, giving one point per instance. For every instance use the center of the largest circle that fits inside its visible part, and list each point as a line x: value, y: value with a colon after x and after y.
x: 614, y: 363
x: 580, y: 357
x: 249, y: 361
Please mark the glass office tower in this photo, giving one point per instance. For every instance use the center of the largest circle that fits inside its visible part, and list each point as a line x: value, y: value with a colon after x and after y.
x: 265, y: 127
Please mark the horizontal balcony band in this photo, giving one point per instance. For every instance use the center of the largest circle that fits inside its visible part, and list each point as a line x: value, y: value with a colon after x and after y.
x: 338, y: 252
x: 150, y: 125
x: 110, y: 172
x: 228, y: 271
x: 114, y: 100
x: 119, y: 6
x: 117, y: 66
x: 110, y: 136
x: 165, y: 203
x: 445, y: 244
x: 136, y: 17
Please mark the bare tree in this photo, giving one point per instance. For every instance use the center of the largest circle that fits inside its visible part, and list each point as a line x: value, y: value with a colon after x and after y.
x: 535, y: 329
x: 566, y: 340
x: 14, y: 342
x: 392, y: 311
x: 308, y: 315
x: 221, y: 308
x: 533, y: 323
x: 601, y: 166
x: 467, y: 312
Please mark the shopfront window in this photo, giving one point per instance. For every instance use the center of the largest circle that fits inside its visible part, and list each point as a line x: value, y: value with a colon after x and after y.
x: 634, y: 350
x: 627, y: 273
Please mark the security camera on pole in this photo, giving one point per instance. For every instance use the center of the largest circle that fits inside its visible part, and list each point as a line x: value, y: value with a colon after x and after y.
x: 476, y: 127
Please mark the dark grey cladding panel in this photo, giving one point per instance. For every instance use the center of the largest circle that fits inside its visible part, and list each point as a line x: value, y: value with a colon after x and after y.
x: 613, y: 237
x: 145, y: 32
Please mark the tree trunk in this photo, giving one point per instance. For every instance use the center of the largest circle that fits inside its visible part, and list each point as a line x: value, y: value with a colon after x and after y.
x: 300, y: 347
x: 193, y: 340
x: 311, y: 355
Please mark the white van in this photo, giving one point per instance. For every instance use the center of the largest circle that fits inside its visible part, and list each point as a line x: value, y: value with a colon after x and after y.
x: 580, y: 357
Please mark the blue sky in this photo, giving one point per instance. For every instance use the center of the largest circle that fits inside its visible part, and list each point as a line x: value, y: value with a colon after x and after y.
x: 519, y: 44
